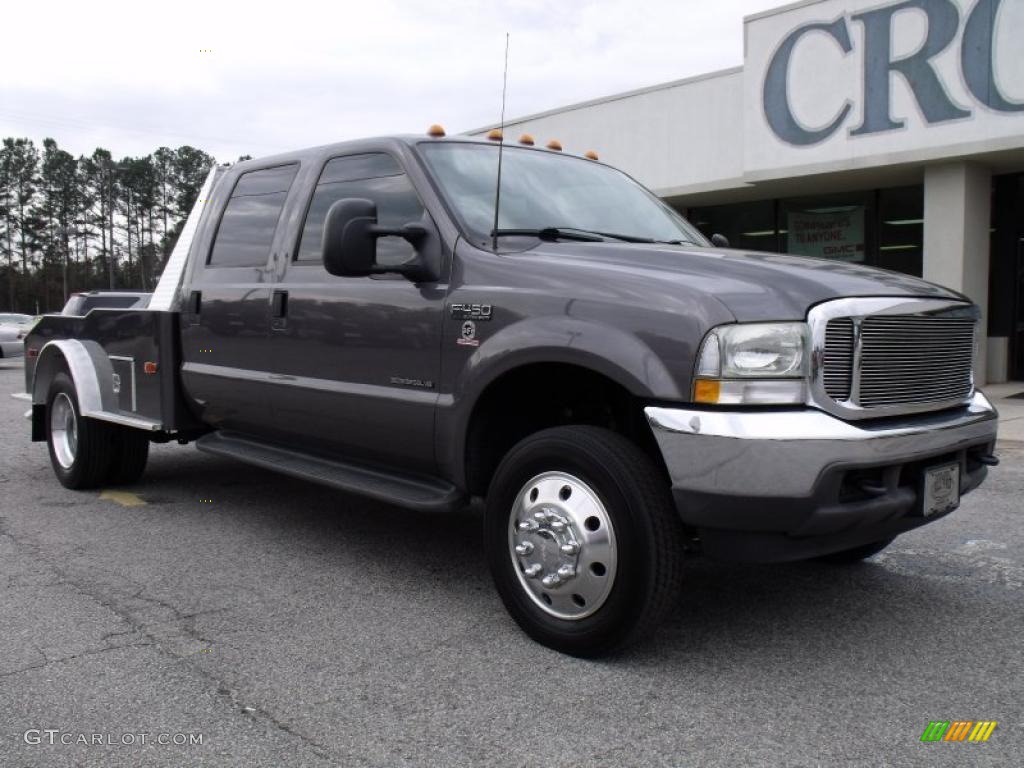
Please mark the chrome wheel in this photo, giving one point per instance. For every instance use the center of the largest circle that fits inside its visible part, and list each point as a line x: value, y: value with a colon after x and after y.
x: 64, y: 430
x: 562, y: 545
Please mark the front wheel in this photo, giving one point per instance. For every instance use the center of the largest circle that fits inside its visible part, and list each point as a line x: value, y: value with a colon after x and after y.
x: 583, y: 540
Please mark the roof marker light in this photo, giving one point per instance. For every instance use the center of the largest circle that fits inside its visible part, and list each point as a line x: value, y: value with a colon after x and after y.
x: 590, y: 154
x: 495, y: 134
x: 526, y: 139
x: 436, y: 131
x: 555, y: 144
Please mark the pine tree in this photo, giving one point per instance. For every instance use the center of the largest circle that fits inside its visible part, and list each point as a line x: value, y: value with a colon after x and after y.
x: 24, y: 165
x: 163, y: 166
x: 56, y: 209
x: 7, y: 219
x: 102, y: 185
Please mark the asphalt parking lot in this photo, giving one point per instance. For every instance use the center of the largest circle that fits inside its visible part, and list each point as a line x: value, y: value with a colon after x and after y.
x: 286, y: 624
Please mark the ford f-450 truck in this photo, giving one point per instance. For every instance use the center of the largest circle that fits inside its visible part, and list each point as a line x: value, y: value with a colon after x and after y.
x: 618, y: 390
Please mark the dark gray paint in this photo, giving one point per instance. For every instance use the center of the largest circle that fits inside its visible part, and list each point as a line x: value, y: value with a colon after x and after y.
x: 369, y: 369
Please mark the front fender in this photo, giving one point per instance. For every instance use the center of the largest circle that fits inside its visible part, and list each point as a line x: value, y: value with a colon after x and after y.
x: 605, y: 349
x: 620, y: 356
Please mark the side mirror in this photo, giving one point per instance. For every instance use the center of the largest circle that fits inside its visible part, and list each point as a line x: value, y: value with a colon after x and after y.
x: 719, y: 241
x: 350, y: 239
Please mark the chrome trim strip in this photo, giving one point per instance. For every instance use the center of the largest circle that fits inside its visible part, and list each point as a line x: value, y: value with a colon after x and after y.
x: 426, y: 396
x: 129, y: 421
x: 806, y: 424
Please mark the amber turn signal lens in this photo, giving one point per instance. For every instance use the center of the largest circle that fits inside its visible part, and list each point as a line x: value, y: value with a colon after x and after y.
x: 707, y: 390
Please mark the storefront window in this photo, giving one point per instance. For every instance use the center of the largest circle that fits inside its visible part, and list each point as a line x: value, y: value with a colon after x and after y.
x: 827, y: 226
x: 882, y: 228
x: 901, y: 229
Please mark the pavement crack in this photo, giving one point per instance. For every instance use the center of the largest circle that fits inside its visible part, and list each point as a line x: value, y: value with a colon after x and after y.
x: 60, y: 660
x: 185, y: 622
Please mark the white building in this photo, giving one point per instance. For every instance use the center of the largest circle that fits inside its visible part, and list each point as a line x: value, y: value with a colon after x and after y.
x: 890, y: 134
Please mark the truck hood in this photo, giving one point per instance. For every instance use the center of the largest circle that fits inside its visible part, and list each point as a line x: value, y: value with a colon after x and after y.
x: 752, y: 285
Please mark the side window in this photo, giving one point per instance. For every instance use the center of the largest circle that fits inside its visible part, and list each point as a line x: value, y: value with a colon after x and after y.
x: 376, y: 177
x: 246, y: 230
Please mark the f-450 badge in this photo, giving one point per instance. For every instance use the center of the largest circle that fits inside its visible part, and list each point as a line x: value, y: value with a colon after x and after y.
x: 478, y: 312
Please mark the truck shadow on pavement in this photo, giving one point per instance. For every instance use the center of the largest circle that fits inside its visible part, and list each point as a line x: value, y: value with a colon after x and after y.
x: 816, y: 616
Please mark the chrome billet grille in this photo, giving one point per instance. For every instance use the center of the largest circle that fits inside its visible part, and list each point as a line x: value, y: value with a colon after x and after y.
x: 838, y: 358
x: 910, y: 359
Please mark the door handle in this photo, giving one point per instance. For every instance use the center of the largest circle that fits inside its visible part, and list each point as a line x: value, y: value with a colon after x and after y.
x: 195, y: 303
x: 279, y: 305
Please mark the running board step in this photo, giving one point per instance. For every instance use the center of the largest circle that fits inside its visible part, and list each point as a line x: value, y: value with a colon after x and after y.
x: 419, y: 493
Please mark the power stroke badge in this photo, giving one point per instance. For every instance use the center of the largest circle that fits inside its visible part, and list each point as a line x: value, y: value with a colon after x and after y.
x: 467, y: 336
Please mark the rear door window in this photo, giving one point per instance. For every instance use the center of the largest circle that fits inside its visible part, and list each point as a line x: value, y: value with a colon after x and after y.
x: 246, y: 231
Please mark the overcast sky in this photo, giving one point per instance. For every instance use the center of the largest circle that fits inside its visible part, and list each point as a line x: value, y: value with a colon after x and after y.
x: 286, y: 75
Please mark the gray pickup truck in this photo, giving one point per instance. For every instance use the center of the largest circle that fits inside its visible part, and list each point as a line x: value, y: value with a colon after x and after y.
x: 618, y: 390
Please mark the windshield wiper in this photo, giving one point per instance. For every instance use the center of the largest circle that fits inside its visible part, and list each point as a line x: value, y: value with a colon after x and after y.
x: 551, y: 233
x: 613, y: 235
x: 585, y: 235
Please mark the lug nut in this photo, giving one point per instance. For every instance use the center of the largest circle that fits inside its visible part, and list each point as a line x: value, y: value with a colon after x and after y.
x: 528, y: 525
x: 551, y: 580
x: 557, y: 525
x: 541, y: 516
x: 570, y: 548
x: 566, y: 572
x: 533, y: 571
x: 524, y: 548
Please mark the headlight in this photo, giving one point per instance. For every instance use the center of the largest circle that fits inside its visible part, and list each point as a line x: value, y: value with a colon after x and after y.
x: 753, y: 363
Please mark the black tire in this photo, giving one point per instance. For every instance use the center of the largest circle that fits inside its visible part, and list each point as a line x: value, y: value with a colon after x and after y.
x: 647, y: 532
x: 94, y: 447
x: 855, y: 555
x: 131, y: 452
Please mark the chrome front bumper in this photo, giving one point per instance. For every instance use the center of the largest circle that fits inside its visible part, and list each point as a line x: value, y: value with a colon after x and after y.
x: 790, y: 471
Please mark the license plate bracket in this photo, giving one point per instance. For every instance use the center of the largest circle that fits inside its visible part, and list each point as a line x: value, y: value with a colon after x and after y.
x: 940, y: 489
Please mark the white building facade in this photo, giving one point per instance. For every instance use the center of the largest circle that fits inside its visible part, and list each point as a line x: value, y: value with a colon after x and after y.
x: 890, y: 134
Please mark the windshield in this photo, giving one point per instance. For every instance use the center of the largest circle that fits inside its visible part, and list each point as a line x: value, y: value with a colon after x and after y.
x: 542, y: 190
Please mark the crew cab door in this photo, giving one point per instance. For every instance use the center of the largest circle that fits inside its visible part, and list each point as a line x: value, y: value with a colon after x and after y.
x: 356, y: 360
x: 225, y: 327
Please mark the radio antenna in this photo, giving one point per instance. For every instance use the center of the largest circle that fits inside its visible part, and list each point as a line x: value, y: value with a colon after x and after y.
x: 501, y: 146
